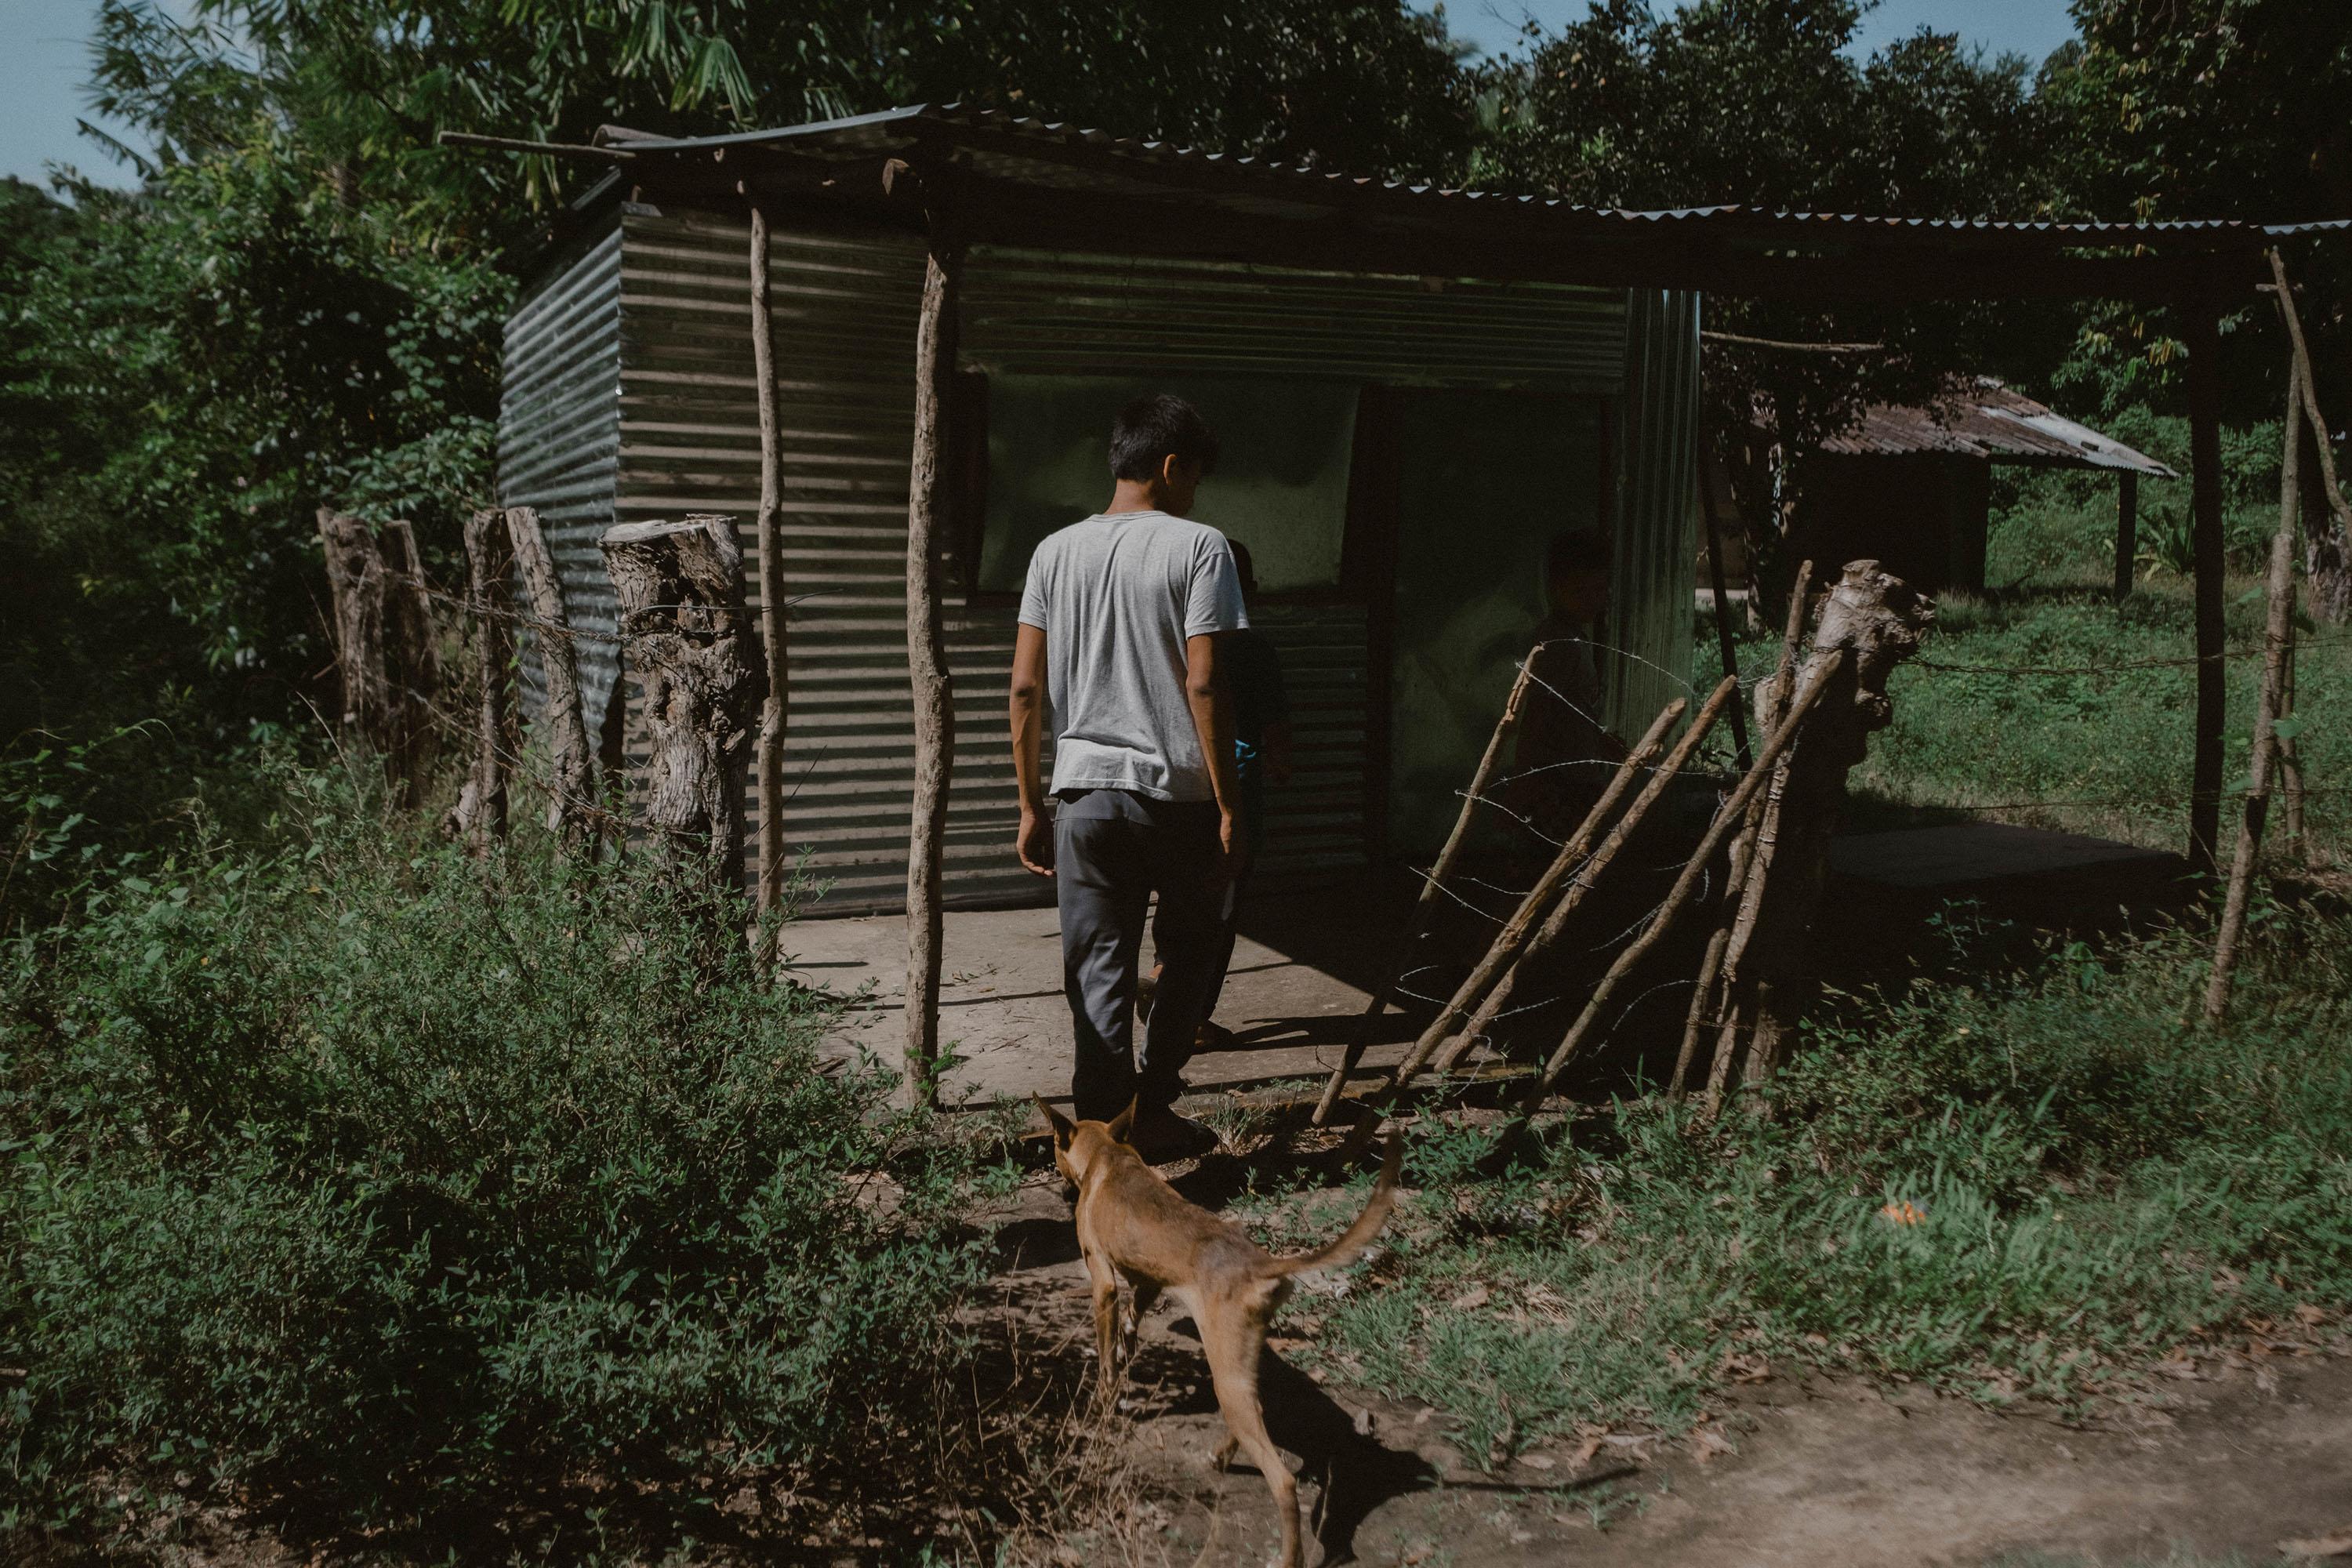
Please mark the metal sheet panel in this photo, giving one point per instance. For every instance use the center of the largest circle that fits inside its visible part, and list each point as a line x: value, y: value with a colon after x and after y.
x: 558, y: 432
x: 1657, y: 536
x: 1048, y: 314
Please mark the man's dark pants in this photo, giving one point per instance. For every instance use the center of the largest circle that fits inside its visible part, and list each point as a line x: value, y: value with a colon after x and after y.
x: 1112, y: 850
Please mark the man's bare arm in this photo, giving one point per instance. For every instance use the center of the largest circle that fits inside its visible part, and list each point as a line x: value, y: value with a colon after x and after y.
x: 1213, y: 720
x: 1034, y: 841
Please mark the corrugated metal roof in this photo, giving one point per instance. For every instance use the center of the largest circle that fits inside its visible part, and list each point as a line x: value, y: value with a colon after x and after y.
x: 1038, y: 153
x: 1980, y: 417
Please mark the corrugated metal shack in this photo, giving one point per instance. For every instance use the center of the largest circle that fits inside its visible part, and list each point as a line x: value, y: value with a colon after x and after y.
x: 1417, y: 387
x: 1912, y: 485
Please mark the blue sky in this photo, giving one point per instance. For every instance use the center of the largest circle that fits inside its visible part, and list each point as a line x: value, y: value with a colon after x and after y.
x: 42, y: 70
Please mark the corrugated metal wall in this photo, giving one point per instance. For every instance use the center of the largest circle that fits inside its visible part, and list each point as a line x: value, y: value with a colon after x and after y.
x: 1049, y: 314
x: 1657, y: 535
x: 558, y: 431
x: 669, y: 294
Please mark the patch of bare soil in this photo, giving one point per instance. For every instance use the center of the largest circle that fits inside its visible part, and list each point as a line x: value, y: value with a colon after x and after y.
x: 2227, y: 1455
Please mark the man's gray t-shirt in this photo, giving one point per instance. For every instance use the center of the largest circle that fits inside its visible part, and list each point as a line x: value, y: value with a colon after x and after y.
x: 1116, y: 595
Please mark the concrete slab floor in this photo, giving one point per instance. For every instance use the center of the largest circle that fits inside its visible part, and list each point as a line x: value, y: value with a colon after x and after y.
x: 1302, y: 971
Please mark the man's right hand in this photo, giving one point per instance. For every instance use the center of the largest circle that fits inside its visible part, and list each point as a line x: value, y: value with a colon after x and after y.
x: 1034, y: 842
x: 1233, y: 848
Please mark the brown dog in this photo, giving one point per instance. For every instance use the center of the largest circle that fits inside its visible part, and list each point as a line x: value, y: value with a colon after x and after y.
x: 1133, y: 1226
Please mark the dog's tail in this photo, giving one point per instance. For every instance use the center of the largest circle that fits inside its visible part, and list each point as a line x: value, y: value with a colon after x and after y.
x: 1359, y: 1235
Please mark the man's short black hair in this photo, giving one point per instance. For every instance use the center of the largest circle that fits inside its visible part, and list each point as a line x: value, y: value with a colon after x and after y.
x: 1577, y: 550
x: 1152, y: 428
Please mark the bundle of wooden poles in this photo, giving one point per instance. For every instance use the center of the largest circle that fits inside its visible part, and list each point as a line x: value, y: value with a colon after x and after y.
x: 1776, y: 820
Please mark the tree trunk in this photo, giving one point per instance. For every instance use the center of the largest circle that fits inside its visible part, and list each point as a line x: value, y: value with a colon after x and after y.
x: 356, y: 588
x: 928, y: 668
x: 2127, y: 531
x: 412, y: 662
x: 2328, y: 548
x: 680, y: 587
x: 480, y: 813
x: 571, y: 807
x: 768, y: 535
x: 1874, y: 621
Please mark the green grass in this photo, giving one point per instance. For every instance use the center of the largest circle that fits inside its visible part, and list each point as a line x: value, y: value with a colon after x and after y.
x: 2097, y: 1182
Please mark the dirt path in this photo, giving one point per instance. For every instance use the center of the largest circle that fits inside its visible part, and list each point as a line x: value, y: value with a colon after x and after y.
x: 1814, y: 1474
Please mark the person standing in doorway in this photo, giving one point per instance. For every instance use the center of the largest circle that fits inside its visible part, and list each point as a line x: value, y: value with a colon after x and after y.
x: 1117, y: 651
x: 1565, y: 752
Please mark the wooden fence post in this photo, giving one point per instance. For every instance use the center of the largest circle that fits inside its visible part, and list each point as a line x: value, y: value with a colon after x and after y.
x: 2203, y: 332
x: 680, y: 586
x: 2127, y: 531
x: 767, y: 538
x: 412, y: 662
x: 2278, y: 632
x: 355, y: 587
x: 1876, y: 621
x: 480, y: 813
x: 927, y: 667
x: 572, y: 788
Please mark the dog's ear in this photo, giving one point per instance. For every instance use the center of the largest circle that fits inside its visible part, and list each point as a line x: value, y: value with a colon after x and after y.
x: 1124, y: 1123
x: 1063, y: 1128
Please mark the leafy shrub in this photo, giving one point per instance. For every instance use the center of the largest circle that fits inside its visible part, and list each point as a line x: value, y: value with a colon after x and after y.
x: 360, y: 1168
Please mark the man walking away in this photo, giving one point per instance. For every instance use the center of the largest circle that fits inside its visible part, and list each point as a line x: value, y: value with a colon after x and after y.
x: 1117, y: 650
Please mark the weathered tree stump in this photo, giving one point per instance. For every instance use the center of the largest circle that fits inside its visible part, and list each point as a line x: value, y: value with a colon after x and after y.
x: 356, y: 588
x: 480, y: 813
x: 384, y: 651
x: 1870, y: 622
x: 680, y: 586
x: 571, y: 785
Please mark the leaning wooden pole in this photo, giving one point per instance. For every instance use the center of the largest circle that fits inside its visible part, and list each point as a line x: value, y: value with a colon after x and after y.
x: 2277, y: 634
x: 1722, y: 700
x: 1433, y: 887
x: 767, y: 540
x: 1678, y: 898
x: 2204, y: 338
x: 2324, y: 558
x: 927, y: 667
x: 1507, y: 943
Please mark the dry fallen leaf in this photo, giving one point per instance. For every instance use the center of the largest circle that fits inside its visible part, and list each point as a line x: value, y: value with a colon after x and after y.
x: 1585, y: 1450
x: 1707, y: 1442
x: 2336, y: 1544
x: 2311, y: 1314
x: 1537, y: 1461
x: 1473, y: 1297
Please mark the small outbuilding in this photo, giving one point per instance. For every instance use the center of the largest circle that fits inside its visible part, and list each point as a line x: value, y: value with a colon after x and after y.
x: 1911, y: 486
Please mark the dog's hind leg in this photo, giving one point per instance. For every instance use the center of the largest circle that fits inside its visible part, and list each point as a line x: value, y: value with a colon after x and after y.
x: 1107, y: 1334
x: 1142, y: 1293
x: 1234, y: 1335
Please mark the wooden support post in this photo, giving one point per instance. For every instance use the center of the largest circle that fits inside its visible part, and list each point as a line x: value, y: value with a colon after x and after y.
x: 2127, y: 531
x: 927, y: 663
x: 1433, y: 886
x: 1724, y: 699
x: 1877, y: 621
x: 1703, y: 1007
x: 767, y: 535
x: 680, y: 587
x: 2290, y: 756
x: 480, y: 813
x: 2278, y: 632
x: 355, y: 595
x: 2327, y: 558
x: 1678, y: 898
x: 2204, y: 337
x: 412, y: 662
x: 572, y: 782
x: 1723, y: 640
